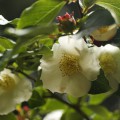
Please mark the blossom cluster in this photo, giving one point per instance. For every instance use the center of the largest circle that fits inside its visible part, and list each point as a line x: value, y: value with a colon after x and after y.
x: 74, y: 65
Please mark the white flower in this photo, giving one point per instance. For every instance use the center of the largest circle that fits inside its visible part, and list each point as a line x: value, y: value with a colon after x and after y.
x: 110, y: 63
x: 54, y: 115
x: 105, y: 33
x: 71, y: 68
x: 13, y: 90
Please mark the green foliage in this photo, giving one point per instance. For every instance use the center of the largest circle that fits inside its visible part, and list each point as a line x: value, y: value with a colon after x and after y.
x: 53, y: 104
x: 41, y: 12
x: 98, y: 98
x: 36, y: 100
x: 113, y: 6
x: 88, y: 3
x: 100, y: 111
x: 94, y: 19
x: 6, y: 43
x: 8, y: 117
x: 100, y: 85
x: 4, y: 59
x: 70, y: 115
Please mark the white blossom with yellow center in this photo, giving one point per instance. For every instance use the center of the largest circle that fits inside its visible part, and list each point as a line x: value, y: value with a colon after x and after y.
x: 110, y: 63
x: 71, y: 68
x: 105, y: 33
x: 13, y: 91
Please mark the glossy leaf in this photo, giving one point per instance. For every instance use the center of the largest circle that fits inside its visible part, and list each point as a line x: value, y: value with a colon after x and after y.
x: 70, y: 115
x: 36, y: 100
x: 113, y: 6
x: 6, y: 43
x: 88, y: 3
x: 100, y: 85
x: 99, y: 17
x: 5, y: 58
x: 97, y: 99
x: 101, y: 111
x: 94, y: 19
x: 41, y: 12
x: 53, y: 104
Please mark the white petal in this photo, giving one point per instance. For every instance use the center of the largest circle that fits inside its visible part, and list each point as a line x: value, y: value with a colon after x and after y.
x: 21, y: 91
x: 78, y: 86
x: 90, y: 64
x: 51, y: 76
x: 113, y: 83
x: 71, y: 45
x: 23, y: 86
x: 6, y: 103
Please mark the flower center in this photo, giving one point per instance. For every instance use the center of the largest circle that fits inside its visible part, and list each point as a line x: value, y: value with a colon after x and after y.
x: 7, y: 82
x: 104, y: 29
x: 69, y: 65
x: 108, y: 63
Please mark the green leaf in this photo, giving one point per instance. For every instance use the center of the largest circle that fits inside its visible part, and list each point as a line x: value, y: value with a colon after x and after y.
x: 101, y: 111
x: 88, y: 3
x: 32, y: 32
x: 113, y: 6
x: 94, y: 19
x: 36, y: 100
x: 6, y: 43
x: 41, y: 12
x: 101, y: 85
x: 30, y: 36
x: 8, y: 117
x: 53, y: 104
x: 4, y: 59
x: 70, y: 115
x: 97, y: 99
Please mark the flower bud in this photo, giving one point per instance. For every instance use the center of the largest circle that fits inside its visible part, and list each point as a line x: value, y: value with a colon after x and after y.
x: 67, y: 23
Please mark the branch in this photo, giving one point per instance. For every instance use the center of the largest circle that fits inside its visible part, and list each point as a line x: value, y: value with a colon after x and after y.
x: 75, y: 107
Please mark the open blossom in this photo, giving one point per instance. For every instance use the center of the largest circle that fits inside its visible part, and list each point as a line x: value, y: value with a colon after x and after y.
x: 13, y: 91
x: 105, y: 33
x: 110, y: 63
x: 71, y: 68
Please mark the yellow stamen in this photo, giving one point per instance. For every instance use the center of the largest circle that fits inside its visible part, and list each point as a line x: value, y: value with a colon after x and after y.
x: 69, y: 64
x: 108, y: 63
x: 7, y: 82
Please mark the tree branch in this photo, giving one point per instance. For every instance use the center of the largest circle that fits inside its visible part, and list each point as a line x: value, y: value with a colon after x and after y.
x: 75, y: 107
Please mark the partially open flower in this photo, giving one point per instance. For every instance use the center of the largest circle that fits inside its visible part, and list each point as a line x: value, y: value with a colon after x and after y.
x: 105, y: 33
x: 110, y: 63
x: 71, y: 68
x: 13, y: 90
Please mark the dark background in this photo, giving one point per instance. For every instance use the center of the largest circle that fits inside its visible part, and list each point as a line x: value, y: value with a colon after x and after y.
x: 11, y: 9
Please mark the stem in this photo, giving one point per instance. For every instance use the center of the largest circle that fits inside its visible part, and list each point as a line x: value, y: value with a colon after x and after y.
x: 75, y: 107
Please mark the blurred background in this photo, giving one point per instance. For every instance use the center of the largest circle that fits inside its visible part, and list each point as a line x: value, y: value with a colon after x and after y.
x: 11, y: 9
